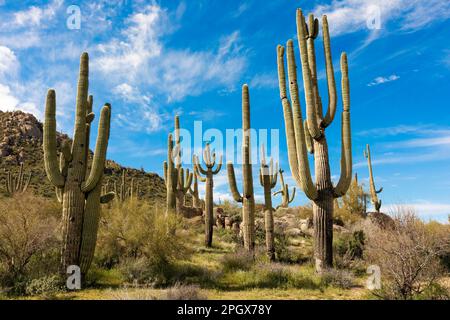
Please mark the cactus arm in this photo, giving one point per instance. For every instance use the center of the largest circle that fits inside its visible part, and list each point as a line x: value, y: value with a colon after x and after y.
x: 49, y: 142
x: 346, y: 158
x: 165, y: 170
x: 261, y: 176
x: 59, y: 195
x: 218, y: 167
x: 27, y: 183
x: 90, y: 227
x: 331, y: 111
x: 307, y: 81
x: 304, y: 173
x: 308, y: 138
x: 311, y: 36
x: 232, y: 182
x: 373, y: 191
x: 293, y: 195
x: 278, y: 192
x: 198, y: 167
x: 98, y: 162
x: 188, y: 181
x: 107, y: 197
x: 274, y: 176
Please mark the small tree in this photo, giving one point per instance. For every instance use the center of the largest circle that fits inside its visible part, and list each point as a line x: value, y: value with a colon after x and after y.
x: 407, y: 254
x: 355, y: 200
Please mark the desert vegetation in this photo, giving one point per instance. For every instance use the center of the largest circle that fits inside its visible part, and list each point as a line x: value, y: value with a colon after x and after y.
x: 129, y: 243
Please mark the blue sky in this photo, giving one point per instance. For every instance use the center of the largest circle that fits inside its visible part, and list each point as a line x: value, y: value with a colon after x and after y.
x: 155, y: 59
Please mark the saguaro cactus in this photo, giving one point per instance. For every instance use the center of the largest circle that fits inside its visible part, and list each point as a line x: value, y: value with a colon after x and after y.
x: 209, y: 172
x: 248, y: 197
x: 309, y: 136
x: 17, y: 183
x: 373, y: 191
x: 178, y: 180
x: 124, y: 192
x: 268, y: 180
x: 284, y: 191
x: 79, y: 191
x: 193, y: 190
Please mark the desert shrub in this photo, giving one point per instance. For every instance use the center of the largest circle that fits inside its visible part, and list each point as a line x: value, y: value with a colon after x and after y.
x: 229, y: 236
x: 339, y: 278
x: 350, y: 244
x: 407, y: 254
x: 232, y: 210
x: 139, y: 238
x: 184, y: 292
x: 28, y: 240
x: 305, y: 212
x: 273, y: 276
x: 239, y: 260
x: 46, y: 286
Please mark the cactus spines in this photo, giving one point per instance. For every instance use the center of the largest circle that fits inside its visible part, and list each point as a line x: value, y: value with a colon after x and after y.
x: 247, y: 198
x: 79, y: 191
x: 373, y: 191
x: 310, y: 136
x: 268, y: 180
x: 17, y: 183
x: 209, y: 172
x: 284, y: 191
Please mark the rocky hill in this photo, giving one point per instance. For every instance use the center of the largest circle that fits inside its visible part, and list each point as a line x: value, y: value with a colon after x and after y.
x: 21, y: 142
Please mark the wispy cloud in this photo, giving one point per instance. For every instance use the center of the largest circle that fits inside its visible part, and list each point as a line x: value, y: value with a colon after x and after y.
x: 380, y: 80
x: 426, y: 210
x: 348, y: 16
x: 264, y: 80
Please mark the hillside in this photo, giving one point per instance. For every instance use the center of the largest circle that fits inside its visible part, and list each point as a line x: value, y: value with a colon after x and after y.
x: 21, y: 141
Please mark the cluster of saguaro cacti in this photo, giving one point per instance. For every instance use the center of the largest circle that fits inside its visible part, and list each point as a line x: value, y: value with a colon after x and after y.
x: 209, y: 172
x: 247, y: 198
x: 373, y: 191
x: 268, y: 180
x: 122, y: 190
x: 309, y: 136
x: 78, y: 190
x: 197, y: 203
x: 284, y: 191
x: 178, y: 180
x: 17, y: 183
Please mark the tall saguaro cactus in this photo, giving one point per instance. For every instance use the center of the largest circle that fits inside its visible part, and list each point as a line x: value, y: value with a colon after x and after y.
x: 268, y: 180
x: 178, y: 180
x: 309, y: 136
x: 79, y: 190
x: 247, y: 198
x: 284, y: 191
x: 209, y: 172
x: 373, y: 191
x: 17, y: 183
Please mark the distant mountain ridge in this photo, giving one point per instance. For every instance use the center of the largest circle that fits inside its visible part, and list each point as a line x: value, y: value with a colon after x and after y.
x: 21, y: 141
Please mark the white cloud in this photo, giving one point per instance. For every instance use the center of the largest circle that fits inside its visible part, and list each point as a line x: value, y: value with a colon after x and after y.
x: 34, y: 16
x: 264, y: 80
x: 8, y: 61
x: 348, y: 16
x: 424, y: 209
x: 140, y: 58
x: 381, y: 80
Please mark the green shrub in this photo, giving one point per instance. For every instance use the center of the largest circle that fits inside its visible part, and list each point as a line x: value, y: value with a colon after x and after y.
x: 29, y: 245
x: 139, y: 239
x: 350, y: 244
x: 50, y: 285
